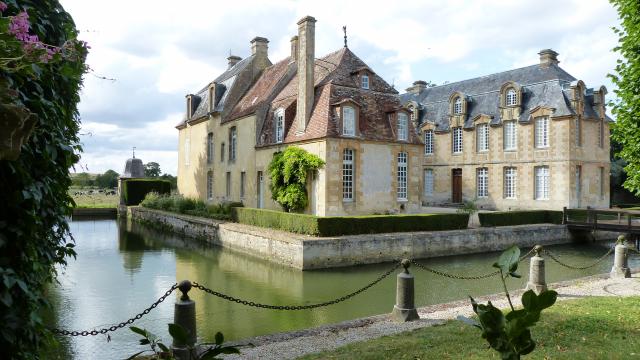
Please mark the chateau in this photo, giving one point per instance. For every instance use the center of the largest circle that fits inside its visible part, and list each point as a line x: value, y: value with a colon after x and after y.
x: 528, y: 138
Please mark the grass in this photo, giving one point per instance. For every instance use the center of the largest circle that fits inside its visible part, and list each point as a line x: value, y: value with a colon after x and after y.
x: 95, y: 200
x: 590, y: 328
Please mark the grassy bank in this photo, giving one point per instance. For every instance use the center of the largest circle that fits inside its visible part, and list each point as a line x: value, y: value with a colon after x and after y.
x: 590, y: 328
x: 98, y: 200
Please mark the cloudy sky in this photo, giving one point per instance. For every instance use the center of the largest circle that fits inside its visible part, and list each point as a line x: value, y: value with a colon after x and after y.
x: 156, y: 51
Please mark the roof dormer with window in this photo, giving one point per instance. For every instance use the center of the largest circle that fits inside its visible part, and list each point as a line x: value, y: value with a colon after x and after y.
x: 511, y: 94
x: 347, y: 113
x: 458, y: 109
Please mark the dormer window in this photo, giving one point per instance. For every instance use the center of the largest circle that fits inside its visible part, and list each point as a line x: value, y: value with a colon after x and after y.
x: 403, y: 126
x: 511, y: 97
x: 348, y: 121
x: 457, y: 106
x: 279, y: 119
x: 365, y: 81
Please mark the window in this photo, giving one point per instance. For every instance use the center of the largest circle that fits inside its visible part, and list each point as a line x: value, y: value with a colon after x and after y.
x: 365, y: 81
x: 222, y: 152
x: 347, y: 175
x: 482, y: 182
x: 243, y: 176
x: 542, y: 132
x: 482, y: 137
x: 510, y: 135
x: 428, y: 142
x: 601, y: 133
x: 228, y: 192
x: 412, y: 113
x: 210, y: 185
x: 403, y: 132
x: 542, y: 183
x: 578, y: 132
x: 402, y: 176
x: 457, y: 106
x: 187, y: 150
x: 348, y: 121
x: 233, y: 142
x: 578, y: 182
x: 511, y: 97
x: 428, y: 182
x: 209, y: 148
x: 510, y: 179
x: 457, y: 140
x: 601, y: 183
x: 279, y: 125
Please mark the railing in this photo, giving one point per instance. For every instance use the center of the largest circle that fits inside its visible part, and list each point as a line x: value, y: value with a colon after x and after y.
x: 596, y: 219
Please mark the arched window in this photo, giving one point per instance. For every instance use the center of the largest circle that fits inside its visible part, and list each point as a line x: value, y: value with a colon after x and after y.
x: 457, y: 106
x: 511, y: 97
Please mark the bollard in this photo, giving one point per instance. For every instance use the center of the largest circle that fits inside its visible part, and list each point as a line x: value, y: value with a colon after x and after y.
x: 537, y: 281
x: 184, y: 314
x: 405, y: 310
x: 620, y: 267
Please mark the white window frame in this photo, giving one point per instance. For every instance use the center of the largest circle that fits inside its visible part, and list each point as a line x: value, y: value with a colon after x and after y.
x: 210, y: 148
x: 457, y: 106
x: 348, y: 121
x: 429, y: 180
x: 482, y: 137
x: 402, y: 176
x: 429, y: 142
x: 403, y: 126
x: 187, y: 151
x: 233, y: 143
x: 348, y: 174
x: 511, y: 98
x: 457, y: 140
x: 541, y: 132
x: 510, y: 182
x: 510, y: 135
x: 482, y: 182
x: 365, y: 81
x: 279, y: 115
x: 210, y: 185
x: 541, y: 182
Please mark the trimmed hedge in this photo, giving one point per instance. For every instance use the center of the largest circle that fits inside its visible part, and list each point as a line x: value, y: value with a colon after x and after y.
x: 510, y: 218
x: 134, y: 190
x: 348, y: 225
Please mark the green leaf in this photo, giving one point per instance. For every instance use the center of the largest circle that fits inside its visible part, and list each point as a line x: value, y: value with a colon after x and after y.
x: 138, y: 331
x: 530, y: 300
x: 163, y: 347
x: 219, y: 338
x: 135, y: 355
x: 178, y: 333
x: 508, y: 260
x: 547, y: 299
x: 144, y: 341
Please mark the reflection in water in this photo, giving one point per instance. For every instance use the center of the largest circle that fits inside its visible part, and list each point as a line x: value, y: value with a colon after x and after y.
x: 122, y: 267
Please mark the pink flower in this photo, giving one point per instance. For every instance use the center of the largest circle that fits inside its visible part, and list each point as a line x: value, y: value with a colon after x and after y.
x: 19, y: 26
x: 3, y: 6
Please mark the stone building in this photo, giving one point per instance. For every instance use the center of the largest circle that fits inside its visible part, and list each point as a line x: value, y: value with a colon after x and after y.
x: 372, y: 138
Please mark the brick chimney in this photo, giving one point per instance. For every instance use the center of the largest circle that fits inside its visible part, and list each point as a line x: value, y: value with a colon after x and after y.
x: 294, y: 48
x: 233, y: 60
x: 548, y: 57
x: 306, y: 65
x: 259, y: 48
x: 417, y: 87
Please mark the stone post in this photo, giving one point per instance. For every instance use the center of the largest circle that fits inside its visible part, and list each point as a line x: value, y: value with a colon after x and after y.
x: 184, y: 314
x: 537, y: 281
x: 620, y: 267
x: 405, y: 310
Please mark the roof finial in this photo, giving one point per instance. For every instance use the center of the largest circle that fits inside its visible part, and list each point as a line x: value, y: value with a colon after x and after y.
x: 134, y: 152
x: 344, y: 29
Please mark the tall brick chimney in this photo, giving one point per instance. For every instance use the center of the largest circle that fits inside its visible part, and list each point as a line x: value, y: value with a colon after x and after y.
x: 306, y: 65
x: 294, y: 48
x: 259, y: 48
x: 548, y: 57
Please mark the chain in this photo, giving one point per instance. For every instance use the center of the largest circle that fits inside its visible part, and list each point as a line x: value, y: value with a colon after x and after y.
x: 632, y: 248
x: 122, y: 324
x: 599, y: 260
x: 295, y: 307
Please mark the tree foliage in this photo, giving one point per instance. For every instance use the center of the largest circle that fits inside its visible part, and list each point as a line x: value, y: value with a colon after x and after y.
x: 626, y: 130
x: 288, y: 172
x: 34, y: 235
x: 107, y: 180
x: 152, y: 169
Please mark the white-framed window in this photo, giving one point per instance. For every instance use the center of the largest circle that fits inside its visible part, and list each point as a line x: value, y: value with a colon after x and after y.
x: 348, y: 121
x: 228, y: 184
x: 209, y: 148
x: 542, y: 183
x: 243, y: 180
x: 210, y: 185
x: 365, y: 81
x: 457, y: 140
x: 402, y: 176
x: 347, y: 174
x: 482, y: 182
x: 279, y: 115
x: 511, y: 97
x: 428, y: 182
x: 510, y: 182
x: 578, y: 132
x: 510, y: 135
x: 233, y: 142
x: 542, y: 132
x: 601, y: 133
x: 403, y: 126
x: 601, y: 182
x: 187, y: 150
x: 482, y: 137
x: 457, y: 106
x: 428, y: 142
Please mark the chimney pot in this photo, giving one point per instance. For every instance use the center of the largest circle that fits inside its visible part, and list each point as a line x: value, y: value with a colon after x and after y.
x: 294, y: 48
x: 259, y: 46
x: 548, y: 57
x: 233, y: 60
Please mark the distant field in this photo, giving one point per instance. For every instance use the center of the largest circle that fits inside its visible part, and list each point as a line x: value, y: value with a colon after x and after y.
x: 96, y: 200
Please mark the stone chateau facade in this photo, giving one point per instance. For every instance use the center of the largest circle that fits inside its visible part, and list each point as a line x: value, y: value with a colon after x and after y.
x: 528, y: 138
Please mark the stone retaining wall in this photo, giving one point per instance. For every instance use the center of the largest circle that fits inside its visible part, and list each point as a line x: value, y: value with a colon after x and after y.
x: 306, y: 252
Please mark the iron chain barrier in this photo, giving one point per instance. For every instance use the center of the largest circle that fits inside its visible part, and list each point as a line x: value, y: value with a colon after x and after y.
x: 120, y: 325
x: 598, y: 261
x: 296, y: 307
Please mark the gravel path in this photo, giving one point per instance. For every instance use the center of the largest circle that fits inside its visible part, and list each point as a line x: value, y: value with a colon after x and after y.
x: 294, y: 344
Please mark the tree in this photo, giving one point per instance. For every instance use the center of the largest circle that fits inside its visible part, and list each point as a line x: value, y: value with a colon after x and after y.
x: 626, y: 130
x: 107, y: 180
x: 288, y: 171
x: 152, y: 169
x: 82, y: 180
x: 172, y: 179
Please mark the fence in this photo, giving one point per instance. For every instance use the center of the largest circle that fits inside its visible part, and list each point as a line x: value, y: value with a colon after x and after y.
x: 403, y: 310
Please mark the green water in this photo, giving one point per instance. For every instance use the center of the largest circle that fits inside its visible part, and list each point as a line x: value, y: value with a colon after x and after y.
x: 122, y: 268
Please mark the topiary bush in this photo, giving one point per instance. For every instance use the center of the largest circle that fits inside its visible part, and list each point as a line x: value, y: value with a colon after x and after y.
x: 181, y: 205
x: 288, y: 171
x: 521, y: 217
x: 135, y: 190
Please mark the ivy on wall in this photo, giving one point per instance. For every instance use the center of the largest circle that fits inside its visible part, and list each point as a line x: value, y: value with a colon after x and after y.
x: 288, y: 172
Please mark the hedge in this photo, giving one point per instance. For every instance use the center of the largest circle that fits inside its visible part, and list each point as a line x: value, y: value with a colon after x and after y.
x: 134, y: 190
x: 348, y: 225
x: 510, y: 218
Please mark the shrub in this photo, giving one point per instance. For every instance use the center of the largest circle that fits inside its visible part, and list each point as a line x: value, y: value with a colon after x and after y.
x: 288, y: 172
x: 348, y: 225
x: 135, y: 190
x: 511, y: 218
x: 180, y: 204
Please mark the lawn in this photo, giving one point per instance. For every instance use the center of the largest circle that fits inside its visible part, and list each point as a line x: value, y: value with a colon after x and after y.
x: 590, y: 328
x: 97, y: 200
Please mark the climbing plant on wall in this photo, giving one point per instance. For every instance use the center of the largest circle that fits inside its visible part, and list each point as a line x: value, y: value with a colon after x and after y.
x: 288, y: 171
x: 41, y: 68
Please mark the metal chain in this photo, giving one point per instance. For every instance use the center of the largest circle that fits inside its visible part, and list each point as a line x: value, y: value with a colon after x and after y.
x: 120, y: 325
x: 599, y: 260
x: 631, y: 247
x: 294, y: 307
x: 462, y: 277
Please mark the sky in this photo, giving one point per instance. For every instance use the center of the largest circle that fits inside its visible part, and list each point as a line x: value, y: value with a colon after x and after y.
x: 146, y: 55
